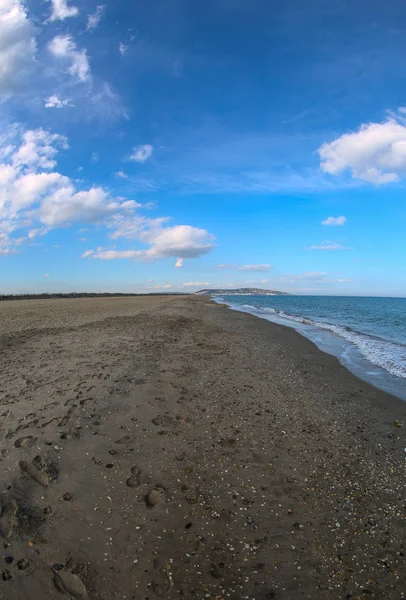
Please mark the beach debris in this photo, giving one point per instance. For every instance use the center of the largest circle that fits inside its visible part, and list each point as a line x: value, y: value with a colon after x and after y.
x: 32, y: 471
x: 23, y: 564
x: 7, y: 518
x: 9, y: 559
x: 398, y: 423
x: 67, y: 496
x: 69, y: 583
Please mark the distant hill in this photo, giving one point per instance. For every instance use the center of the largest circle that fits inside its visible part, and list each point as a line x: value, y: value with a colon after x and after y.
x: 241, y: 292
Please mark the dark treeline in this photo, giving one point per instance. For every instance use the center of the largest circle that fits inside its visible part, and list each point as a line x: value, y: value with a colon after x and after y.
x: 79, y: 295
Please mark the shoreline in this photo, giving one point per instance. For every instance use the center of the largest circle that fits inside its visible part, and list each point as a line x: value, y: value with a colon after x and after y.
x: 328, y: 341
x: 172, y: 447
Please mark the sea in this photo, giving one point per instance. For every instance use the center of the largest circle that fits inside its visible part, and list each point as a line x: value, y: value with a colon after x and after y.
x: 367, y: 335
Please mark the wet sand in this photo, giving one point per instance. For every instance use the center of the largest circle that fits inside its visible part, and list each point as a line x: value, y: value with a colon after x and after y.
x: 169, y: 447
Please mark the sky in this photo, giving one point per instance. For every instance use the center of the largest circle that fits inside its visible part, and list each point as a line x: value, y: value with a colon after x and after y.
x: 172, y: 145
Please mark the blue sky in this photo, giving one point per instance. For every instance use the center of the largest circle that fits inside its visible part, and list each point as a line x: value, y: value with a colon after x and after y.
x: 174, y: 145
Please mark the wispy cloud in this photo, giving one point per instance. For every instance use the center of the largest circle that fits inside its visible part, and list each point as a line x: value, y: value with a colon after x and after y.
x: 334, y: 221
x: 55, y: 102
x: 328, y: 246
x: 122, y: 48
x: 94, y: 19
x: 253, y: 268
x: 141, y: 153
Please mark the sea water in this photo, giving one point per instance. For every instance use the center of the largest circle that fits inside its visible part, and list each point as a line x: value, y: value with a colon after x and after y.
x: 367, y: 335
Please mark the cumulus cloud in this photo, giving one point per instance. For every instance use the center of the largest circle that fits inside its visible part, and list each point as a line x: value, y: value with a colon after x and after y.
x: 179, y: 263
x: 141, y: 153
x: 121, y: 174
x: 253, y: 268
x: 334, y: 221
x: 35, y: 198
x: 64, y: 48
x: 94, y: 19
x: 17, y: 46
x: 177, y: 241
x: 376, y: 153
x: 328, y: 246
x: 61, y: 10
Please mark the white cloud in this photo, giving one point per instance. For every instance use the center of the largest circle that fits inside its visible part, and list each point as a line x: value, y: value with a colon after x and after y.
x: 253, y: 268
x: 55, y: 102
x: 61, y: 10
x: 122, y: 48
x: 63, y: 47
x: 65, y: 205
x: 94, y: 19
x: 141, y: 153
x: 334, y: 221
x: 17, y: 46
x: 328, y: 246
x: 94, y: 158
x: 179, y: 263
x: 121, y: 174
x: 376, y: 153
x: 178, y: 241
x: 47, y: 274
x: 35, y: 198
x: 38, y: 149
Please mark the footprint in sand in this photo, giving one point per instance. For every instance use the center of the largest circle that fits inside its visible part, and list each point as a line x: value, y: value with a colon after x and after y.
x: 25, y: 442
x: 154, y: 497
x: 135, y: 478
x: 68, y: 583
x: 36, y: 474
x: 123, y: 440
x: 162, y: 582
x: 7, y: 518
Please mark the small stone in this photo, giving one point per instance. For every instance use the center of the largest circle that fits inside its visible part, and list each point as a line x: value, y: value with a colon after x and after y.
x: 398, y: 423
x: 9, y: 559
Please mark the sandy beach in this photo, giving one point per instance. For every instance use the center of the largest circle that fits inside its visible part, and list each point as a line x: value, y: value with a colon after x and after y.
x: 170, y: 447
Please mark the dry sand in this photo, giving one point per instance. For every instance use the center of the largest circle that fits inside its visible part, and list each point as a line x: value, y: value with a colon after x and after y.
x: 169, y: 447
